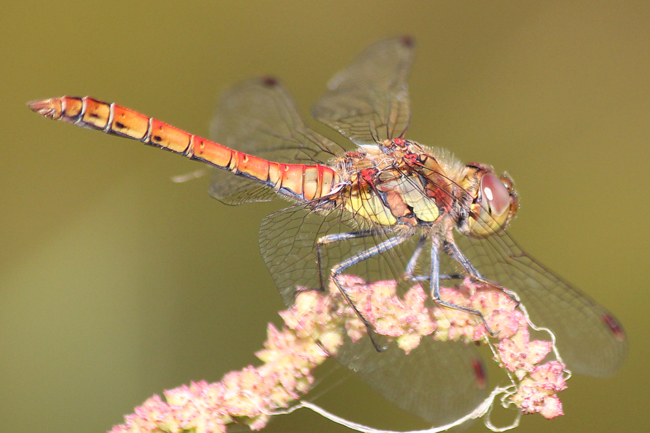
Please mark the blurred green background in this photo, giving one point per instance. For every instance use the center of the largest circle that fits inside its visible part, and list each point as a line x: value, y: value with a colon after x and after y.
x: 116, y: 283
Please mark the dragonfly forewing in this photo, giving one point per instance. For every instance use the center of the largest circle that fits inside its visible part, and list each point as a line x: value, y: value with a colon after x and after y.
x: 368, y: 101
x: 259, y: 117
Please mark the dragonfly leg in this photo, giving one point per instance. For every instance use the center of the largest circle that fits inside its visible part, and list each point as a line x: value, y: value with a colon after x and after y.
x: 409, y: 273
x: 336, y: 237
x: 421, y: 278
x: 454, y: 252
x: 435, y: 281
x: 410, y: 267
x: 357, y: 258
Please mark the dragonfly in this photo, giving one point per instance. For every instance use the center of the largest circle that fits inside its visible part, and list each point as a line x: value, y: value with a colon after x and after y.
x: 376, y: 205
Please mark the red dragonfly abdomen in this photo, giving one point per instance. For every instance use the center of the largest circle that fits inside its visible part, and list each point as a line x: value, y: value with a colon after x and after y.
x: 306, y: 182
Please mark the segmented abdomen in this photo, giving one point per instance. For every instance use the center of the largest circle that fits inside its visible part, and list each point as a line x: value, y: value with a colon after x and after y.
x: 299, y: 181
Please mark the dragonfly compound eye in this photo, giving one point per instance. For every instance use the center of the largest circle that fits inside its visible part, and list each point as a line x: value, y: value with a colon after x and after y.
x: 495, y: 195
x: 497, y: 204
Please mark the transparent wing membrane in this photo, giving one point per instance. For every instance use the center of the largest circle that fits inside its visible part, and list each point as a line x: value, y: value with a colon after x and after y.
x: 259, y: 117
x: 234, y: 191
x: 587, y: 334
x: 368, y: 101
x: 289, y: 245
x: 437, y: 381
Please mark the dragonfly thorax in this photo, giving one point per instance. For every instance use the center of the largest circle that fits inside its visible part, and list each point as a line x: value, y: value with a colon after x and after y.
x: 396, y: 182
x: 400, y: 182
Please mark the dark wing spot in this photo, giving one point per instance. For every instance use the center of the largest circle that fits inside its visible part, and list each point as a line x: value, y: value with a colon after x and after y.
x: 615, y: 326
x: 269, y: 81
x: 479, y: 372
x: 407, y: 41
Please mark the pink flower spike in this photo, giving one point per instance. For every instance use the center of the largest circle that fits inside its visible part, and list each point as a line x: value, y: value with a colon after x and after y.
x: 536, y: 392
x: 290, y: 354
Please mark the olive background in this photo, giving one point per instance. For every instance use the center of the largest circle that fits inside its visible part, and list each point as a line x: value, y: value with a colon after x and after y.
x: 116, y: 283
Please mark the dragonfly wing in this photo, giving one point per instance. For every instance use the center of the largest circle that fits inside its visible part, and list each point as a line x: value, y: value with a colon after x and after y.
x: 288, y: 242
x: 438, y: 381
x: 368, y: 101
x: 589, y: 338
x: 259, y: 117
x: 235, y: 190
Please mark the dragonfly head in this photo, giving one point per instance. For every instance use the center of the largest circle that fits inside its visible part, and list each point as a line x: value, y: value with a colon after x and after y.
x: 493, y: 200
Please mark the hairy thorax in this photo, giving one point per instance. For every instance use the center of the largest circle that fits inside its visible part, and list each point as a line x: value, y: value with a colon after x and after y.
x: 402, y: 183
